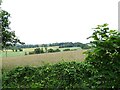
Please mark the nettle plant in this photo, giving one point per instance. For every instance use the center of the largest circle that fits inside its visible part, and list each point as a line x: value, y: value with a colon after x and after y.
x: 105, y: 57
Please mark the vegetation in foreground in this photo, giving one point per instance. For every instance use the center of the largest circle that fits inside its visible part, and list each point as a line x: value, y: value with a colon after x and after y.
x: 66, y: 75
x: 100, y: 70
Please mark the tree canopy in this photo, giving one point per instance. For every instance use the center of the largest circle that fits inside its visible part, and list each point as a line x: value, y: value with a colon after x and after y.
x: 8, y: 37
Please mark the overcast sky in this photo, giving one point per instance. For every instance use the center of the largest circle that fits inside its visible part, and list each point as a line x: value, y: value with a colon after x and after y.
x: 50, y: 21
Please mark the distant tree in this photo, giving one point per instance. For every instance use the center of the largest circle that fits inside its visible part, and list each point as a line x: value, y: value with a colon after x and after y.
x: 41, y: 50
x: 57, y: 50
x: 45, y: 47
x: 32, y: 52
x: 37, y: 51
x: 50, y: 50
x: 66, y: 50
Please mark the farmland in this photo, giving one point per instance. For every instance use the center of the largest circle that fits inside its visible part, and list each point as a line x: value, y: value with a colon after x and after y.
x: 10, y: 53
x: 40, y: 59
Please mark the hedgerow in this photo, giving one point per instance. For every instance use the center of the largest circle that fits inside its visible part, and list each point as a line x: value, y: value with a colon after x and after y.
x: 67, y: 75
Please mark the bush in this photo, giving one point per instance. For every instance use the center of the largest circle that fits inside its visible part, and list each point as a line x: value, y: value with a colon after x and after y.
x: 32, y: 52
x: 66, y: 50
x: 73, y: 49
x: 66, y: 75
x: 50, y: 50
x: 41, y: 50
x: 38, y: 50
x: 57, y: 50
x: 105, y: 57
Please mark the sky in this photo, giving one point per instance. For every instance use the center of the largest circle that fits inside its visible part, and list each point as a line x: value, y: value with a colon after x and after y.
x: 50, y: 21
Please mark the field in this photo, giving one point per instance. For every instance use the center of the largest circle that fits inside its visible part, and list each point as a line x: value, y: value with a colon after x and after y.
x: 10, y: 53
x: 41, y: 59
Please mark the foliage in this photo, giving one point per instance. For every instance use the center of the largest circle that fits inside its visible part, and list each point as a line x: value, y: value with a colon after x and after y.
x: 52, y: 50
x: 57, y: 50
x: 66, y: 50
x: 27, y: 46
x: 67, y: 75
x: 105, y: 57
x: 32, y: 52
x: 38, y: 50
x: 8, y: 37
x: 60, y: 45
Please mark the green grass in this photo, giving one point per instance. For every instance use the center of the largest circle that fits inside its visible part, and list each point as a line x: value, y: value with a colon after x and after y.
x: 12, y: 54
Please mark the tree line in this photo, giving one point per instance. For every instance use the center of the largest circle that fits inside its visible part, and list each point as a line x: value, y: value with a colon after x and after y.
x: 60, y: 45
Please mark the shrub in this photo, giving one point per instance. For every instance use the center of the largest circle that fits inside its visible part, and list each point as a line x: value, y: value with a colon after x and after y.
x: 50, y: 50
x: 32, y: 52
x: 73, y: 49
x: 105, y: 57
x: 66, y: 75
x: 38, y: 50
x: 66, y: 50
x: 57, y: 50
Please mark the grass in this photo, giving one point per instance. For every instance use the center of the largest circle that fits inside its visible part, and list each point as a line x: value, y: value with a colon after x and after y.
x: 9, y: 63
x: 12, y: 54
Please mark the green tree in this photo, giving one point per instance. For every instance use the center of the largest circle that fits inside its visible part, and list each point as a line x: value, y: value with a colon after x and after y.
x: 8, y: 36
x: 105, y: 57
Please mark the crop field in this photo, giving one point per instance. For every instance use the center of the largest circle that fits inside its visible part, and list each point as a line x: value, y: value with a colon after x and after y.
x: 41, y: 59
